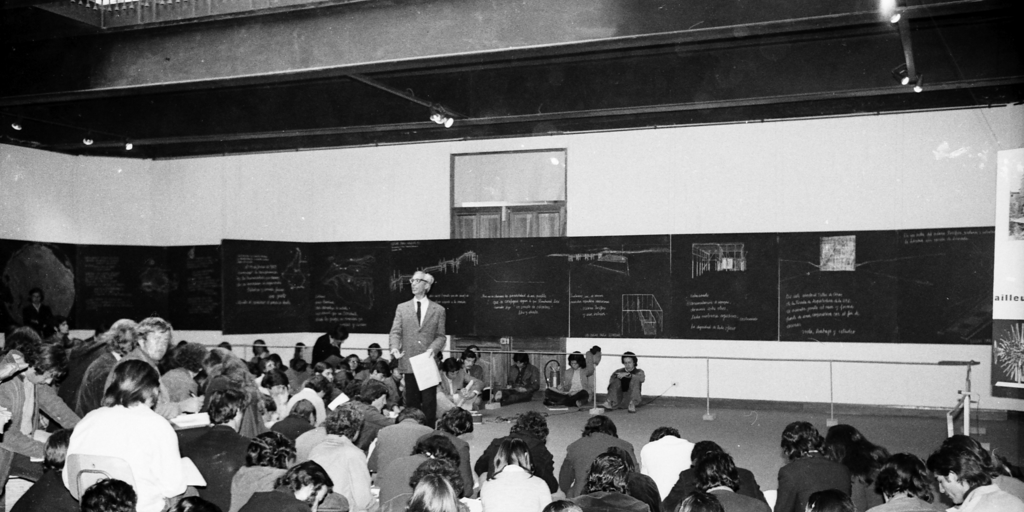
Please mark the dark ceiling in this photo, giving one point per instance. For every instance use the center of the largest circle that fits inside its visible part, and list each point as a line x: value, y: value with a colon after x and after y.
x: 211, y: 77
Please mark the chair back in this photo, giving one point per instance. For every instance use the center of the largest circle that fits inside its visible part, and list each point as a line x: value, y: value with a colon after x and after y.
x: 86, y: 470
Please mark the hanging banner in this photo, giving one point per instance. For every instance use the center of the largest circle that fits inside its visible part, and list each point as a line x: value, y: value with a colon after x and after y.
x: 1008, y: 282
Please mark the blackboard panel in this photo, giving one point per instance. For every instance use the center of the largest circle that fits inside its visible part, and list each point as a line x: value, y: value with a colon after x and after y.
x: 725, y: 287
x: 454, y: 265
x: 619, y: 286
x: 122, y: 281
x: 195, y: 304
x: 267, y: 287
x: 838, y: 286
x: 945, y: 291
x: 351, y: 286
x: 27, y: 265
x: 523, y: 287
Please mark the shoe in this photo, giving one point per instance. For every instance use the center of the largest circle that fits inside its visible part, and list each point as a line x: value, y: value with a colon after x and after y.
x: 579, y: 403
x: 497, y: 396
x: 607, y: 405
x: 632, y: 408
x: 548, y: 403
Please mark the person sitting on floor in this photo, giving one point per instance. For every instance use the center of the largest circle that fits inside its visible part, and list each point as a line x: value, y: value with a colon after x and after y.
x: 576, y: 387
x: 606, y: 487
x: 393, y: 480
x: 299, y: 421
x: 370, y: 402
x: 717, y: 475
x: 599, y: 435
x: 343, y: 460
x: 267, y: 458
x: 808, y: 471
x: 523, y: 381
x: 109, y: 495
x: 638, y: 485
x: 964, y: 476
x: 300, y: 489
x: 846, y: 445
x: 398, y: 440
x: 381, y: 372
x: 220, y: 451
x: 48, y: 494
x: 457, y: 388
x: 687, y: 482
x: 1001, y: 475
x: 667, y: 455
x: 905, y: 485
x: 532, y: 428
x: 625, y: 382
x: 453, y: 424
x: 513, y: 487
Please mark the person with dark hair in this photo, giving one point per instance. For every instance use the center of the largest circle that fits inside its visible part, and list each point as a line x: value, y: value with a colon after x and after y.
x: 370, y: 402
x: 48, y: 494
x: 575, y: 388
x: 606, y: 487
x: 398, y: 440
x: 109, y: 495
x: 513, y: 487
x: 275, y: 386
x: 267, y: 364
x: 354, y: 368
x: 27, y: 393
x: 453, y: 424
x: 523, y: 381
x: 664, y: 457
x: 418, y: 328
x: 35, y: 314
x: 60, y: 332
x: 118, y: 342
x: 562, y: 506
x: 687, y: 482
x: 393, y: 480
x: 625, y: 382
x: 181, y: 380
x: 433, y: 493
x: 329, y: 345
x: 700, y: 502
x: 343, y: 460
x: 380, y: 372
x: 224, y: 345
x: 1001, y: 475
x: 316, y: 388
x: 532, y: 428
x: 224, y: 370
x: 599, y: 434
x: 373, y: 353
x: 808, y: 471
x: 846, y: 445
x: 220, y: 451
x: 126, y: 427
x: 80, y: 358
x: 457, y: 388
x: 965, y: 476
x: 830, y: 500
x: 194, y: 504
x: 638, y: 485
x: 905, y: 485
x: 300, y: 420
x: 298, y: 370
x: 267, y: 458
x: 469, y: 359
x: 301, y: 489
x: 717, y: 475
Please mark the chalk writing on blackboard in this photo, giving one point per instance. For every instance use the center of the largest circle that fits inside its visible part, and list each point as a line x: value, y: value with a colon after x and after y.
x: 801, y: 307
x: 258, y: 280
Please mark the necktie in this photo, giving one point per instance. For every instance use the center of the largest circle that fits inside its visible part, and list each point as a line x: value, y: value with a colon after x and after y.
x: 419, y: 313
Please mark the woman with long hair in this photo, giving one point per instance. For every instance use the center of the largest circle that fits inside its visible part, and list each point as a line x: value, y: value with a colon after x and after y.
x: 225, y: 370
x: 267, y: 458
x: 846, y: 445
x: 808, y: 470
x: 513, y: 487
x: 433, y: 494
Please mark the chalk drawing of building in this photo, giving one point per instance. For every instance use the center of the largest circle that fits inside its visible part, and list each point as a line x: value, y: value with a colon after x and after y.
x: 839, y: 253
x: 717, y: 258
x: 641, y: 314
x: 398, y: 279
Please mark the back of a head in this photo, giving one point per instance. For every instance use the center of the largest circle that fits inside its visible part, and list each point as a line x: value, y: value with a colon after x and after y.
x: 304, y: 409
x: 437, y: 447
x: 109, y: 496
x: 799, y: 439
x: 702, y: 449
x: 531, y: 423
x: 224, y: 405
x: 134, y: 382
x: 451, y: 365
x: 846, y: 445
x: 600, y: 424
x: 412, y: 413
x: 447, y: 469
x: 270, y: 449
x: 700, y: 501
x: 562, y: 506
x: 607, y: 474
x: 346, y: 421
x: 456, y: 421
x: 624, y: 455
x: 194, y: 504
x: 832, y: 500
x: 512, y: 451
x: 433, y: 494
x: 304, y: 474
x: 190, y: 357
x: 56, y: 450
x: 371, y: 390
x: 717, y: 470
x: 25, y: 340
x: 962, y: 442
x: 904, y: 472
x: 661, y: 432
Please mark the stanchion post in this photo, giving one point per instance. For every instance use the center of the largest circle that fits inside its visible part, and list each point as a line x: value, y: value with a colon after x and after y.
x: 831, y: 421
x: 707, y: 390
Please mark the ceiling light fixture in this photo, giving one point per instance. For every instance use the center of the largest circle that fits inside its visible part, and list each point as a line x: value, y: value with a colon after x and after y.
x: 895, y: 18
x: 87, y: 141
x: 919, y: 85
x: 16, y: 125
x: 441, y: 117
x: 900, y: 74
x: 128, y: 145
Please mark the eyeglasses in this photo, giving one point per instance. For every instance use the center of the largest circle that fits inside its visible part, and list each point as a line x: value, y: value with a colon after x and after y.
x: 417, y: 280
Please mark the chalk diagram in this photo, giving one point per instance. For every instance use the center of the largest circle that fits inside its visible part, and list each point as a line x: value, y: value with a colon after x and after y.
x: 294, y: 274
x: 641, y: 313
x: 838, y: 253
x: 399, y: 280
x: 610, y: 260
x: 707, y: 257
x: 351, y: 280
x: 1010, y: 355
x: 154, y: 281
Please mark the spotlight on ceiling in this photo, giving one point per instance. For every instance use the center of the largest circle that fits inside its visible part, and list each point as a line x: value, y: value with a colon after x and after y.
x: 128, y: 146
x: 16, y: 126
x: 895, y: 18
x: 919, y: 85
x: 900, y: 74
x: 87, y: 141
x: 439, y: 116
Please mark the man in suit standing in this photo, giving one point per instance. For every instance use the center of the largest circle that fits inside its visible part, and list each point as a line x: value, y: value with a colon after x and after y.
x: 418, y: 328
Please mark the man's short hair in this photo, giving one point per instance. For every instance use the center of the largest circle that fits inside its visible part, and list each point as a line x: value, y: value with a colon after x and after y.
x: 661, y: 432
x: 630, y: 355
x: 189, y: 356
x: 831, y: 500
x: 372, y: 390
x: 531, y: 423
x: 451, y: 365
x: 381, y: 366
x: 520, y: 357
x: 965, y: 464
x: 56, y: 450
x: 594, y: 350
x: 412, y: 413
x: 319, y: 384
x: 26, y: 341
x: 699, y: 501
x: 608, y: 473
x: 702, y: 449
x: 437, y: 447
x: 303, y: 474
x: 717, y: 470
x: 338, y: 332
x: 225, y: 404
x: 270, y: 449
x: 109, y: 495
x: 600, y: 424
x: 441, y: 467
x: 153, y: 324
x: 304, y: 409
x: 469, y: 354
x: 52, y: 358
x: 456, y: 421
x: 904, y: 472
x: 346, y: 421
x: 960, y: 441
x: 799, y: 439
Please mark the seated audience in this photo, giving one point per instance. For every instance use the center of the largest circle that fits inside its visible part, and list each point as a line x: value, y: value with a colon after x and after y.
x: 259, y: 352
x: 301, y: 489
x: 267, y: 458
x: 717, y: 475
x: 434, y: 494
x: 687, y: 482
x: 224, y: 370
x: 398, y: 440
x: 513, y: 487
x: 25, y: 395
x: 271, y: 363
x: 275, y: 386
x: 1001, y: 475
x: 381, y: 372
x: 532, y: 429
x: 343, y: 460
x: 846, y: 445
x: 700, y: 502
x: 808, y: 471
x: 109, y: 496
x: 469, y: 359
x: 299, y: 421
x: 354, y: 369
x: 606, y: 487
x: 905, y: 485
x: 664, y: 457
x: 599, y: 434
x: 219, y: 452
x: 830, y: 500
x: 194, y: 504
x: 625, y: 381
x: 373, y: 353
x: 964, y: 476
x: 638, y: 485
x: 82, y: 357
x: 317, y: 387
x: 523, y: 381
x: 457, y: 389
x: 180, y: 381
x: 48, y: 494
x: 370, y: 402
x: 575, y: 390
x: 394, y: 479
x: 453, y: 424
x: 126, y: 427
x: 298, y: 370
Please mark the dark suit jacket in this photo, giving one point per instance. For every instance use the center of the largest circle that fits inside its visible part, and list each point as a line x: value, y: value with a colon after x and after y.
x: 465, y: 464
x: 410, y: 337
x: 218, y: 453
x: 78, y: 363
x: 47, y: 495
x: 38, y: 320
x: 540, y: 458
x: 292, y: 427
x: 323, y: 349
x: 610, y: 502
x: 396, y: 441
x: 572, y: 477
x: 687, y: 483
x: 808, y: 475
x: 733, y: 502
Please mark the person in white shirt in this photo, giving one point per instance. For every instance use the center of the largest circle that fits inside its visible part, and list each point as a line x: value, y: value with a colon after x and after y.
x: 965, y: 478
x: 667, y: 455
x: 513, y: 487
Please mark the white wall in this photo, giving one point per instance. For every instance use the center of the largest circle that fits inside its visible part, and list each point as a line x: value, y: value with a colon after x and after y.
x: 927, y: 170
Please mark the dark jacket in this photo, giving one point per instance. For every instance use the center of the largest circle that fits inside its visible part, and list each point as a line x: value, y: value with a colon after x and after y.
x: 465, y: 464
x: 218, y: 454
x: 808, y: 475
x: 47, y: 495
x: 580, y: 455
x: 610, y: 502
x: 79, y: 360
x: 687, y: 483
x: 541, y: 459
x: 292, y: 427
